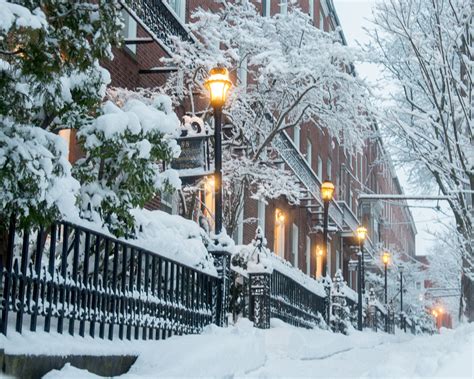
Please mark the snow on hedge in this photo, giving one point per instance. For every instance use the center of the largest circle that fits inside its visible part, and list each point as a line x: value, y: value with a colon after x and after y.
x: 35, y: 173
x: 169, y: 236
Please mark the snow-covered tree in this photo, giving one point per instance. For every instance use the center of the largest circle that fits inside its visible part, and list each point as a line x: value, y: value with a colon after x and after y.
x: 287, y: 72
x: 426, y: 50
x: 123, y: 149
x: 50, y: 79
x: 444, y: 270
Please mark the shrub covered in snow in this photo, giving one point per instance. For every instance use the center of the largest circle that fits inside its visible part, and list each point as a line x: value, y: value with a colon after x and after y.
x: 120, y: 171
x: 35, y: 174
x: 50, y: 79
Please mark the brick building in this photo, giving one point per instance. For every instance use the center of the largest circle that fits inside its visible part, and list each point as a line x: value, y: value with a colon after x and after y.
x: 293, y: 231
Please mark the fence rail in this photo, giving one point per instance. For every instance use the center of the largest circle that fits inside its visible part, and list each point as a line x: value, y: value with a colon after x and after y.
x: 294, y: 304
x: 68, y: 274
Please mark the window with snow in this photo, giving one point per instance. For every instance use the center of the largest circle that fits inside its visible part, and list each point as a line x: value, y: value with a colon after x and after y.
x: 321, y: 19
x: 209, y: 204
x: 328, y: 169
x: 242, y: 74
x: 296, y: 138
x: 309, y: 151
x: 284, y: 6
x: 311, y: 10
x: 320, y: 168
x: 308, y: 255
x: 261, y: 215
x: 179, y: 8
x: 266, y: 7
x: 129, y: 30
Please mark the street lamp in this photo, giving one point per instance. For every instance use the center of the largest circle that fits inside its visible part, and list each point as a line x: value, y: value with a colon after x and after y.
x: 327, y: 193
x: 361, y: 233
x: 385, y: 260
x: 402, y: 319
x: 218, y: 84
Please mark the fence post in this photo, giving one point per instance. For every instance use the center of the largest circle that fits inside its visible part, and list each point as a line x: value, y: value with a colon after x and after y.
x: 259, y: 304
x: 222, y: 264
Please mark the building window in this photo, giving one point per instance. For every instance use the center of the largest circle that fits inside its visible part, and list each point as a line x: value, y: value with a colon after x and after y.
x: 309, y: 151
x: 279, y: 240
x: 239, y: 230
x: 338, y: 260
x: 284, y: 6
x: 308, y: 255
x: 320, y: 168
x: 242, y: 73
x: 319, y: 262
x: 209, y: 203
x: 261, y: 214
x: 266, y: 6
x: 329, y: 169
x: 297, y: 135
x: 294, y: 244
x: 179, y: 7
x: 321, y: 19
x: 129, y: 30
x: 311, y: 10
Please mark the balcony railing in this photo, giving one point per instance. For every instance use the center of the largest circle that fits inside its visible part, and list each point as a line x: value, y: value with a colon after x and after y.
x: 158, y: 18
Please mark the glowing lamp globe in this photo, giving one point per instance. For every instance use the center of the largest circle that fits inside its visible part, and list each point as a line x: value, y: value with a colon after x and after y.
x: 361, y: 233
x: 218, y: 84
x: 385, y: 258
x: 327, y: 190
x: 281, y: 217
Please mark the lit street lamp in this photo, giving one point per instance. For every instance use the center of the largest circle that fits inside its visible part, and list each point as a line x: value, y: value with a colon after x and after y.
x: 218, y: 85
x: 385, y: 260
x: 361, y: 233
x: 327, y: 193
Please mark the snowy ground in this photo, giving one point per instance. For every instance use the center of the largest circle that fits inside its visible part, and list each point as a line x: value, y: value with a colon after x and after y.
x: 280, y: 352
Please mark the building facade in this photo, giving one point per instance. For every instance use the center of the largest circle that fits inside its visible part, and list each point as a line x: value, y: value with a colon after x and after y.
x: 293, y: 231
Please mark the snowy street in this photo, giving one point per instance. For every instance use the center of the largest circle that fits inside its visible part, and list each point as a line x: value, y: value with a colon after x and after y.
x: 285, y: 351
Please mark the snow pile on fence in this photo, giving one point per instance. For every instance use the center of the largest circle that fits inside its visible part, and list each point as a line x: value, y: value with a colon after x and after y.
x: 264, y: 260
x: 169, y: 236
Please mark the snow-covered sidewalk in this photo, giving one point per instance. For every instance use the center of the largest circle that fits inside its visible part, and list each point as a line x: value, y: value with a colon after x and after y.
x: 285, y: 351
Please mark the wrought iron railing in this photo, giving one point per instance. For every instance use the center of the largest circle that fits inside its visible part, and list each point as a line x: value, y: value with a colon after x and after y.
x: 305, y: 174
x: 159, y: 19
x: 293, y: 303
x: 68, y: 274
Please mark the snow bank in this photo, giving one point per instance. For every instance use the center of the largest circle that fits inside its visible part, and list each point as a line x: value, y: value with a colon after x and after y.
x: 169, y: 236
x: 279, y: 352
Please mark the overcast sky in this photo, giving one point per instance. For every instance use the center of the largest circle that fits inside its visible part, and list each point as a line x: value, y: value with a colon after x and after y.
x: 354, y: 16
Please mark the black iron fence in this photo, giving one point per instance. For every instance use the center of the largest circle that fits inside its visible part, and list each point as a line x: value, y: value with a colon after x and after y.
x: 293, y: 303
x: 68, y: 276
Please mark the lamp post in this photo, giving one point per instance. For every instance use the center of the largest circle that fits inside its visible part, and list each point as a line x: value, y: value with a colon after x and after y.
x: 327, y: 193
x: 218, y: 84
x: 385, y: 260
x: 361, y: 235
x: 402, y: 319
